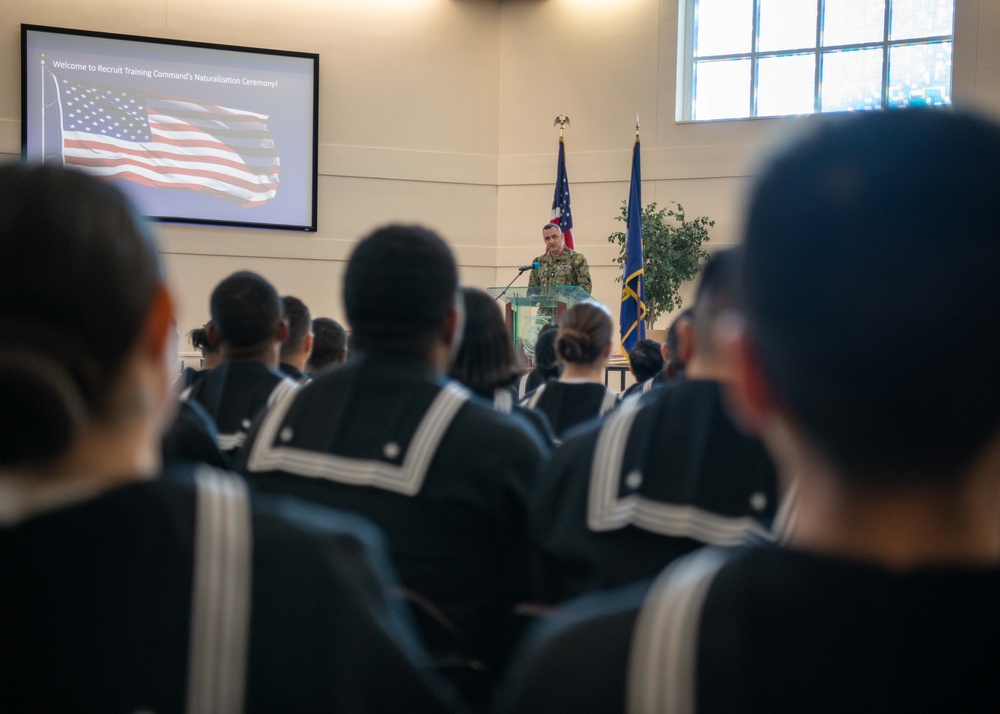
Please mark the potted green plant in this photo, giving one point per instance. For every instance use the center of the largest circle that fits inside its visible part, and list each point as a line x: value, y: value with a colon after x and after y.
x: 672, y: 252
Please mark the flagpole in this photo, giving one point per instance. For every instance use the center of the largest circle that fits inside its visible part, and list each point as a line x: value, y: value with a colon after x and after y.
x: 633, y: 309
x: 560, y: 215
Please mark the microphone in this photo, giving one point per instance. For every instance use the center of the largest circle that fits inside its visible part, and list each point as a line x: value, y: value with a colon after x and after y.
x: 534, y: 266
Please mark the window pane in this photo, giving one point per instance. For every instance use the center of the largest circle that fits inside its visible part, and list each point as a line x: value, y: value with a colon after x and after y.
x: 723, y: 27
x: 721, y: 89
x: 920, y: 75
x: 785, y: 85
x: 851, y: 21
x: 786, y: 25
x: 851, y: 79
x: 921, y: 18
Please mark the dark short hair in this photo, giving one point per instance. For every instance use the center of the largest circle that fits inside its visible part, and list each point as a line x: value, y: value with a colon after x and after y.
x: 299, y: 324
x: 870, y: 286
x: 400, y: 285
x: 545, y: 359
x: 486, y: 360
x: 673, y: 339
x: 78, y: 275
x: 584, y: 331
x: 646, y: 359
x: 246, y: 311
x: 717, y: 293
x: 552, y: 225
x: 329, y: 341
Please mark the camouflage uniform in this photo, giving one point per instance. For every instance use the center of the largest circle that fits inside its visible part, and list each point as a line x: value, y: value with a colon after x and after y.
x: 570, y: 268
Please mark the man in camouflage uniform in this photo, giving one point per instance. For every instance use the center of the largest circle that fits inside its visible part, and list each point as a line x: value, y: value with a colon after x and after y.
x: 559, y: 265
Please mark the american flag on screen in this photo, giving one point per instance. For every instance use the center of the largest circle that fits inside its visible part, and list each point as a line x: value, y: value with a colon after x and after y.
x: 167, y: 142
x: 561, y: 214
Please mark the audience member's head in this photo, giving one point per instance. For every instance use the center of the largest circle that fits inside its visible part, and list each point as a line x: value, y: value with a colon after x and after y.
x: 329, y: 344
x: 584, y: 335
x: 678, y: 345
x: 717, y: 295
x: 400, y: 293
x: 486, y: 360
x: 247, y: 317
x: 546, y: 360
x: 871, y: 261
x: 88, y: 337
x: 645, y: 360
x: 298, y: 345
x: 202, y: 341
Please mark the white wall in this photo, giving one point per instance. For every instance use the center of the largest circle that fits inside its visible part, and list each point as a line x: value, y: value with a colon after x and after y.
x: 602, y: 62
x: 440, y: 111
x: 408, y: 127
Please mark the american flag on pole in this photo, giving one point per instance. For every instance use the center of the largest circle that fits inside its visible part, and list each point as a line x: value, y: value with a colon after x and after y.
x: 561, y: 214
x: 167, y: 142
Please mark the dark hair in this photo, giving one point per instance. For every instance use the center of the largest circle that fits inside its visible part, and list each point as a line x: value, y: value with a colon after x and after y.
x: 400, y: 285
x: 673, y: 340
x: 246, y: 311
x: 646, y: 359
x: 200, y: 341
x: 299, y: 323
x: 552, y: 225
x: 717, y: 293
x: 546, y: 360
x: 871, y: 261
x: 486, y: 360
x: 78, y: 273
x: 584, y: 331
x: 329, y: 341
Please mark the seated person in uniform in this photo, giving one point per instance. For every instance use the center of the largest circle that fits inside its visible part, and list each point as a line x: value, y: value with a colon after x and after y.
x: 108, y: 570
x: 487, y: 364
x: 545, y: 362
x: 658, y: 478
x: 209, y: 357
x: 329, y: 344
x: 248, y: 326
x: 676, y: 351
x: 193, y: 436
x: 583, y: 344
x: 645, y: 361
x: 871, y: 253
x: 677, y: 348
x: 297, y: 347
x: 388, y: 436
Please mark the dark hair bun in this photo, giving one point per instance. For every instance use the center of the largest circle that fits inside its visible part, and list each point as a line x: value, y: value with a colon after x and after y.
x: 40, y: 408
x: 584, y: 332
x: 574, y: 346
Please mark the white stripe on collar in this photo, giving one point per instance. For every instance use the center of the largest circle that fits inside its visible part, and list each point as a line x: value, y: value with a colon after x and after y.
x: 503, y: 401
x: 606, y: 511
x: 407, y: 478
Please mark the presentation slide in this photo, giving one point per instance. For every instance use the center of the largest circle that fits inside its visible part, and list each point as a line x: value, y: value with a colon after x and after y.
x: 191, y: 132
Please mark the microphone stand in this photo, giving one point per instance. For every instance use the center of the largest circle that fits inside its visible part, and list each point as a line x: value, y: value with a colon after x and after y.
x: 520, y: 272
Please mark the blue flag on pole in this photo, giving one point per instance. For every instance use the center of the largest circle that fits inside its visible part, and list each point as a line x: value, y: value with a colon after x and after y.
x: 633, y: 313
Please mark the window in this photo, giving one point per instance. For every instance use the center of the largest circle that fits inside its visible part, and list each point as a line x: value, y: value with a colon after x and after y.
x: 761, y: 58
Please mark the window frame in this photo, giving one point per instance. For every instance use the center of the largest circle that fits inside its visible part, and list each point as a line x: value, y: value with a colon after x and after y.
x: 687, y: 60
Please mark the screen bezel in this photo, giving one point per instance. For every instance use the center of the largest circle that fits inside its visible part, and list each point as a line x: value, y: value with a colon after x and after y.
x: 313, y: 150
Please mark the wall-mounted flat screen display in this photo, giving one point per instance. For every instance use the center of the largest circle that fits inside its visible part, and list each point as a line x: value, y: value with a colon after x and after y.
x: 192, y: 132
